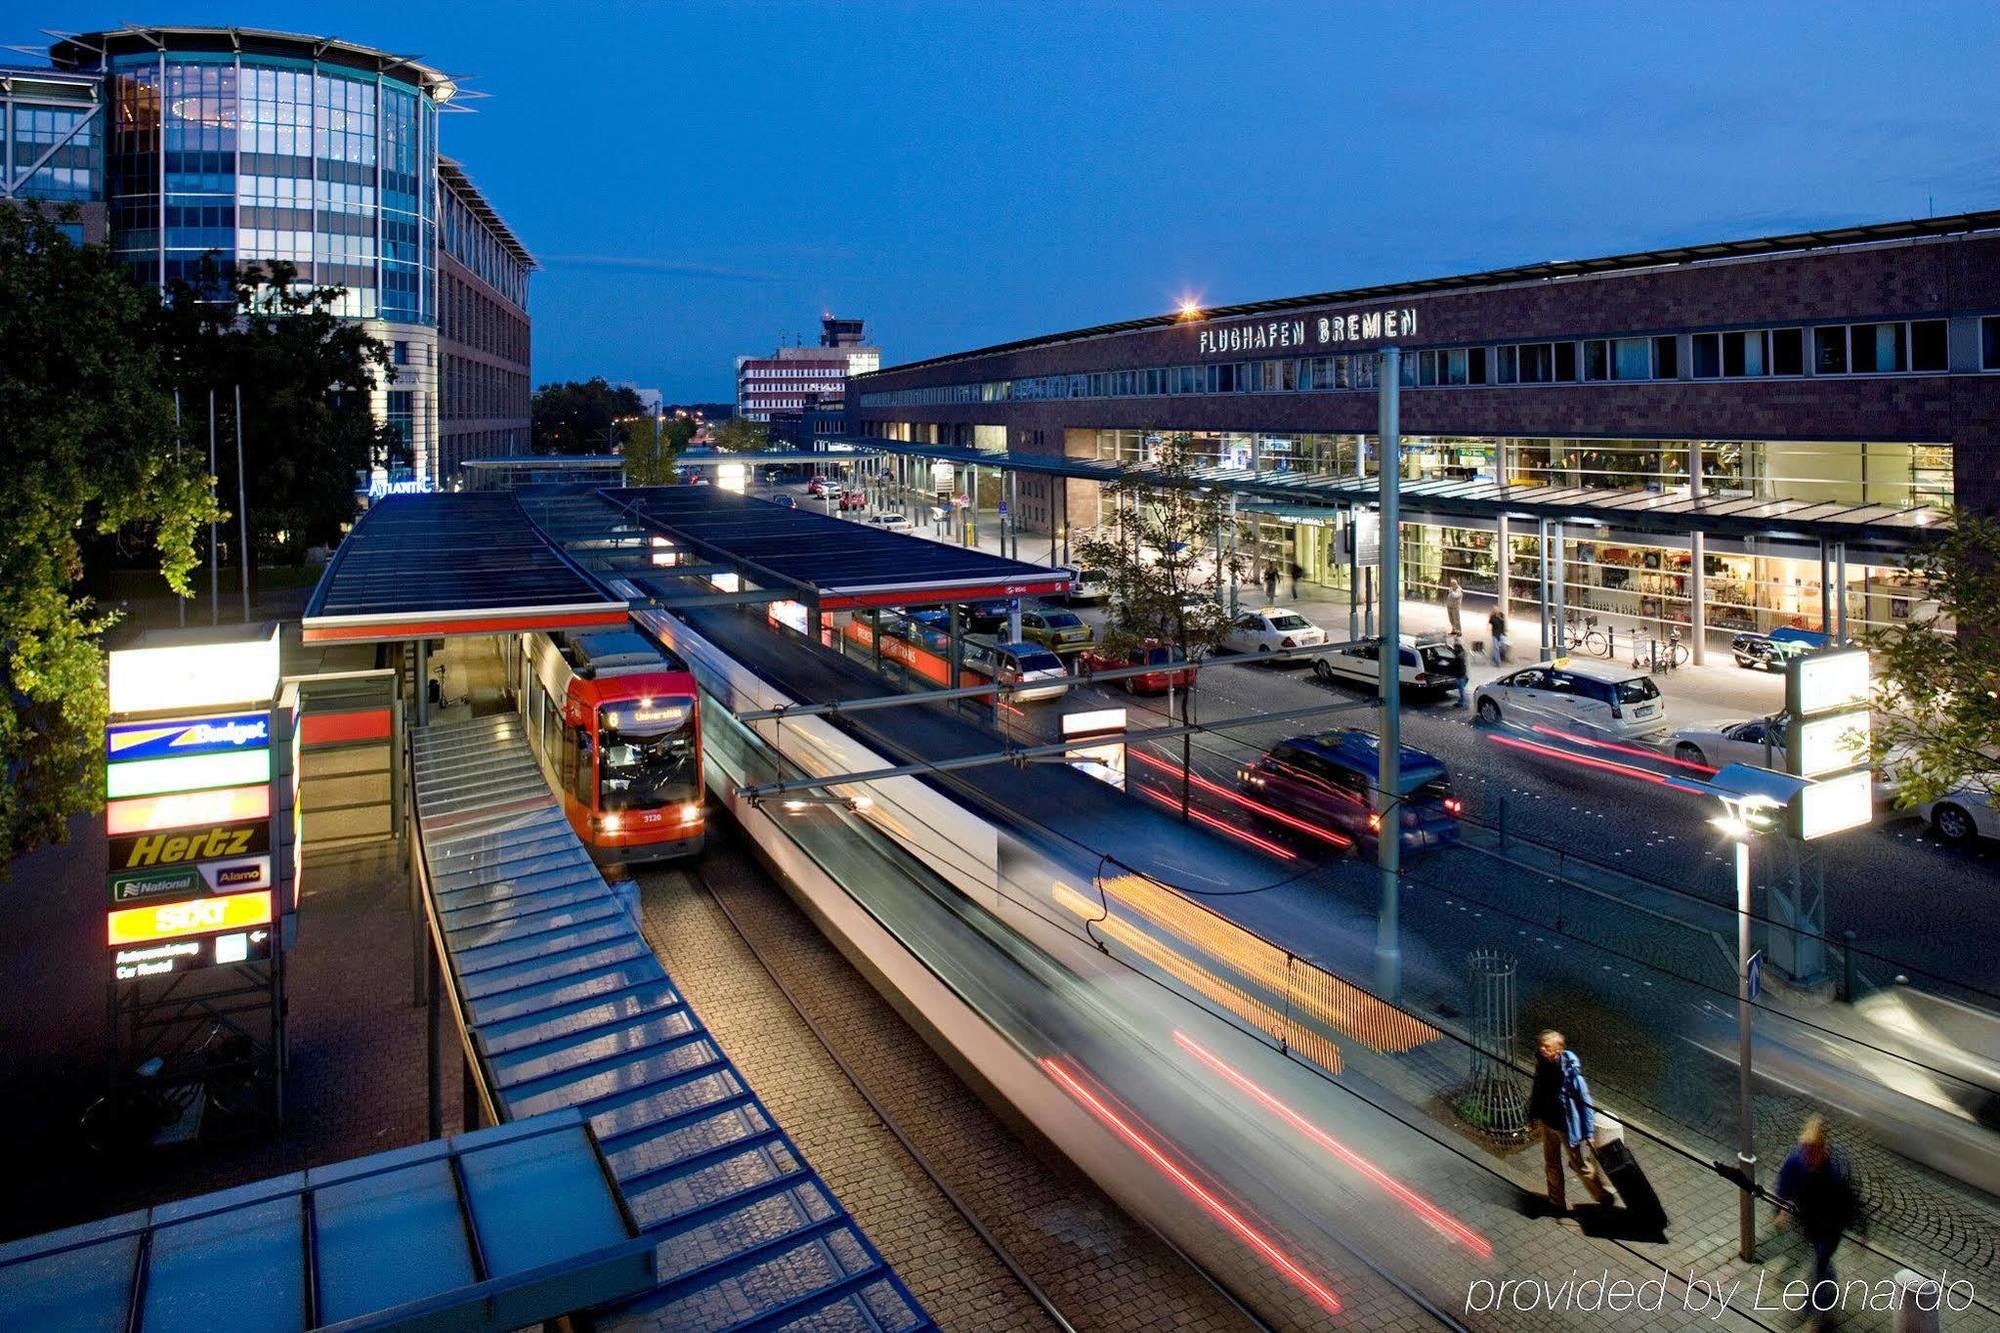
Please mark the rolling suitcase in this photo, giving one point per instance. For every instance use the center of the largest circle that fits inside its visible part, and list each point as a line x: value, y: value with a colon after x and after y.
x: 1628, y: 1180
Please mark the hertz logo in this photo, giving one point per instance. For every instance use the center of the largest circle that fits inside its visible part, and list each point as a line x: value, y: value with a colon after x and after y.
x: 177, y: 848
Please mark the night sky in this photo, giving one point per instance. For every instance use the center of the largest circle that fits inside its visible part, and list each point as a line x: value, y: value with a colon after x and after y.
x: 703, y: 180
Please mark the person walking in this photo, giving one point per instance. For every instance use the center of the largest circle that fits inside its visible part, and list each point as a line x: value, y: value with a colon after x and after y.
x: 1497, y: 622
x: 1296, y: 572
x: 1454, y: 606
x: 1560, y: 1103
x: 1814, y: 1185
x: 1270, y: 581
x: 1460, y: 671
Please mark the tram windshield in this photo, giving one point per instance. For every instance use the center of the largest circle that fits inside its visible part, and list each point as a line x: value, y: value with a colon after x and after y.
x: 648, y: 754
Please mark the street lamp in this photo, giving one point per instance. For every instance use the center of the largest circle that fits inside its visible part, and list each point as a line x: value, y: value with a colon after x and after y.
x: 1752, y: 800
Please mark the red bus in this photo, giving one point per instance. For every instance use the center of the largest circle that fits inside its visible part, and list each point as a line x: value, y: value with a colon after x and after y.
x: 613, y: 721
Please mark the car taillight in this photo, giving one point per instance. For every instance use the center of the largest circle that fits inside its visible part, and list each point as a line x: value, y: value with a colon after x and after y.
x: 1375, y: 823
x: 1454, y: 806
x: 1617, y: 712
x: 1286, y: 642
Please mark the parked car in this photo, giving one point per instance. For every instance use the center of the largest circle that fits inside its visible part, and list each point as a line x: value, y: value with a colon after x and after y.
x: 1091, y: 585
x: 1960, y: 816
x: 1606, y: 699
x: 1150, y: 653
x: 892, y: 521
x: 1274, y: 629
x: 785, y: 502
x: 1058, y: 631
x: 820, y: 487
x: 1722, y: 743
x: 850, y: 500
x: 988, y: 617
x: 1426, y: 665
x: 1329, y: 779
x: 1018, y: 663
x: 1770, y: 652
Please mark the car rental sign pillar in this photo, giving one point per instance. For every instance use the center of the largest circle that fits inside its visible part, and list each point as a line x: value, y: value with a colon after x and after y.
x: 1389, y: 815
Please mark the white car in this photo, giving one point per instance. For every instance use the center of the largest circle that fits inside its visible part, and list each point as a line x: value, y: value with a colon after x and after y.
x: 1722, y: 743
x: 1274, y: 629
x: 893, y: 522
x: 1961, y: 815
x: 1426, y: 665
x: 1576, y: 696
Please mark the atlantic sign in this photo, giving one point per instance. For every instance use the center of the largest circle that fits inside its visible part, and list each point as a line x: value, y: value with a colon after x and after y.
x: 1314, y: 331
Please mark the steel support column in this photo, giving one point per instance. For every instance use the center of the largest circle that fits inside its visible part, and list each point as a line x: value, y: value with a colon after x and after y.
x: 1697, y: 568
x: 1501, y: 545
x: 1825, y: 589
x: 1840, y: 594
x: 1388, y: 838
x: 423, y: 682
x: 1542, y: 547
x: 1560, y: 612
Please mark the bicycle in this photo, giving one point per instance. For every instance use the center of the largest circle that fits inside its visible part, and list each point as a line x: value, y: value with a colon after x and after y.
x: 169, y: 1098
x: 1581, y: 635
x: 1665, y: 655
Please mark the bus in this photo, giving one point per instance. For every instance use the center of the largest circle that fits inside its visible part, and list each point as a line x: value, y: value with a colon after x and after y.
x: 613, y: 721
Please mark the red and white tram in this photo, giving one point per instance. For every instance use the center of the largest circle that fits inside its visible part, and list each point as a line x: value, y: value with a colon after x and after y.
x: 613, y: 720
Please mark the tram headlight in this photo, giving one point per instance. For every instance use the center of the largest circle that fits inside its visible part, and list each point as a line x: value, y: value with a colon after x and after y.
x: 690, y: 813
x: 612, y: 822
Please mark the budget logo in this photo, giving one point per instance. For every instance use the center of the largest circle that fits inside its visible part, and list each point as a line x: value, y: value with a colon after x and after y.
x: 148, y: 850
x: 209, y: 735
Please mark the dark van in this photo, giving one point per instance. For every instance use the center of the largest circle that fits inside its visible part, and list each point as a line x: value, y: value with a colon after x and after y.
x: 1327, y: 779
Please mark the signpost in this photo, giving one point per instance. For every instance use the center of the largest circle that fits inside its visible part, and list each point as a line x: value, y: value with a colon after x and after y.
x: 1826, y: 703
x: 203, y: 865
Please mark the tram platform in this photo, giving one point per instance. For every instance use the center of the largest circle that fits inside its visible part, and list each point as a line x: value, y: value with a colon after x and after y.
x: 565, y: 1006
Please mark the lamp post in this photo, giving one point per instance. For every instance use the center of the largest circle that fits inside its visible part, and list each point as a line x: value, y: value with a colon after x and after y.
x: 1736, y: 824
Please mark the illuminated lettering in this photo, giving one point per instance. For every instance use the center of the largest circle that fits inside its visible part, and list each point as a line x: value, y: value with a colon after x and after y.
x: 1371, y: 324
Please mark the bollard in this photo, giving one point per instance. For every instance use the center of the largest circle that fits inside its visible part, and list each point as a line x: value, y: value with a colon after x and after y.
x: 1917, y: 1301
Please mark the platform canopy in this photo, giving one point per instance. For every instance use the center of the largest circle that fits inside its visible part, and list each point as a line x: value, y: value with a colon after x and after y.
x: 427, y: 566
x: 832, y: 563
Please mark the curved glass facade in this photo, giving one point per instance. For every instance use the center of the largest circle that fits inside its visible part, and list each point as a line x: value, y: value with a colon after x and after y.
x: 260, y: 157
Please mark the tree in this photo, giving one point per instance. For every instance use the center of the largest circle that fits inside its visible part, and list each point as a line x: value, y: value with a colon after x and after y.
x: 584, y: 417
x: 652, y: 448
x: 1159, y: 555
x: 740, y: 435
x: 308, y: 378
x: 88, y: 420
x: 1937, y: 682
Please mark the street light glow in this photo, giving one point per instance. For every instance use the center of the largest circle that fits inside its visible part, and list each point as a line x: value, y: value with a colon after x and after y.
x: 1190, y: 308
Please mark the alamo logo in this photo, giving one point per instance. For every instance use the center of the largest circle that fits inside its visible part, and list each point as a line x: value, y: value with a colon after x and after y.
x: 146, y: 850
x: 238, y: 875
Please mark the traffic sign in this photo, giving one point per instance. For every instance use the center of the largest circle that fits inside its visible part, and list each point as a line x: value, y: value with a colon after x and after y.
x: 1754, y: 971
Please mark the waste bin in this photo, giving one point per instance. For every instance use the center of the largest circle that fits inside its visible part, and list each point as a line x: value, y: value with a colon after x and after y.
x: 1918, y: 1299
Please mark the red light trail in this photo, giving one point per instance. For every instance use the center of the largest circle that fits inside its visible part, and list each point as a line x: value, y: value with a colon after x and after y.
x: 1588, y: 761
x: 1262, y: 844
x: 1436, y: 1217
x: 1217, y: 1209
x: 1704, y: 769
x: 1292, y: 821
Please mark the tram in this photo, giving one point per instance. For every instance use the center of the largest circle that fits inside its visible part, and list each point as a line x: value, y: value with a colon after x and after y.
x: 612, y: 719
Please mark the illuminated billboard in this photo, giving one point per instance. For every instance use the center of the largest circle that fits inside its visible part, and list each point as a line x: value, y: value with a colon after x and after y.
x: 1833, y: 804
x: 195, y: 880
x: 187, y: 736
x: 196, y: 916
x: 148, y: 777
x: 214, y: 842
x: 187, y: 809
x: 192, y: 676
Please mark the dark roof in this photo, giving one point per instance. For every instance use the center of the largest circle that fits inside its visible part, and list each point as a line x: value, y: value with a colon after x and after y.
x: 91, y: 50
x: 1361, y: 749
x: 420, y: 566
x: 833, y: 562
x: 1862, y: 234
x: 452, y: 173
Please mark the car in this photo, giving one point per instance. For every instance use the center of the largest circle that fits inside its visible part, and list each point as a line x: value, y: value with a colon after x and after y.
x: 853, y: 500
x: 1150, y: 653
x: 1759, y: 741
x: 785, y: 502
x: 988, y: 617
x: 819, y: 487
x: 1426, y: 665
x: 1273, y: 629
x: 1770, y: 652
x: 1962, y: 815
x: 926, y: 628
x: 1029, y: 664
x: 1090, y: 585
x: 1059, y: 631
x: 1329, y: 779
x: 892, y: 521
x: 1607, y: 699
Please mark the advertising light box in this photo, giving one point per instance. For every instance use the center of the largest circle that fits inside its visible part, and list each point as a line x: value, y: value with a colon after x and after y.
x: 1830, y: 744
x: 188, y: 677
x: 170, y: 957
x: 235, y: 875
x: 187, y: 809
x: 1834, y: 804
x: 196, y: 916
x: 147, y: 777
x: 228, y: 733
x: 172, y: 847
x: 1824, y: 681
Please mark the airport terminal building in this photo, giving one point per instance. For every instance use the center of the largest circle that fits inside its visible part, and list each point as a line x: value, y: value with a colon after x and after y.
x: 1703, y: 423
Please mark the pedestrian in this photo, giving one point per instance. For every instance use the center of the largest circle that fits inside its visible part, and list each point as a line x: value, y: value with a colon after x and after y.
x: 1454, y: 605
x: 1460, y: 671
x: 1270, y: 581
x: 1814, y: 1185
x: 1560, y: 1103
x: 1497, y: 622
x: 1296, y: 571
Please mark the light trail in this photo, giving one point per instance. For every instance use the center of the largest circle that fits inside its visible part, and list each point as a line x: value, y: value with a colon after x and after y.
x: 1194, y: 1189
x: 1206, y: 784
x: 1588, y: 761
x: 1262, y: 844
x: 1436, y: 1217
x: 1704, y: 769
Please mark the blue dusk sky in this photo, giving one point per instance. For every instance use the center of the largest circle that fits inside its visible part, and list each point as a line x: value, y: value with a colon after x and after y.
x: 703, y: 180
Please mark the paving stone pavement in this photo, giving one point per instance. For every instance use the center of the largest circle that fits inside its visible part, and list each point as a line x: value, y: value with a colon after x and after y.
x: 1098, y: 1268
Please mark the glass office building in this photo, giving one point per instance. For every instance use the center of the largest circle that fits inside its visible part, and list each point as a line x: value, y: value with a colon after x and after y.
x: 254, y: 147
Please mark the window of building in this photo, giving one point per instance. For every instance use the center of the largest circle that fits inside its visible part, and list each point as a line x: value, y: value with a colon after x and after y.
x: 400, y: 353
x: 1989, y: 343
